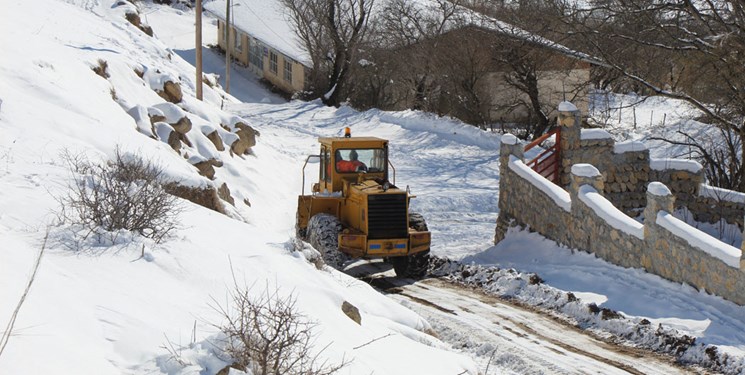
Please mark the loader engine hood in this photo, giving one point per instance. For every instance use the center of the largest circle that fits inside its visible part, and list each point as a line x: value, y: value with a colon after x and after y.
x: 383, y: 208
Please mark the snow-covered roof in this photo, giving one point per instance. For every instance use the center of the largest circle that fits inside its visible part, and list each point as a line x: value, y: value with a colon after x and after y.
x: 265, y: 20
x: 465, y: 17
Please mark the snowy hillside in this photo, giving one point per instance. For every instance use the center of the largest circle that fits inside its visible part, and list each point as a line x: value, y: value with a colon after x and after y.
x: 105, y: 309
x: 138, y: 307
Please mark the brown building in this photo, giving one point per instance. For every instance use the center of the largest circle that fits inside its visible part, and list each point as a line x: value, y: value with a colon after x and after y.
x: 493, y: 68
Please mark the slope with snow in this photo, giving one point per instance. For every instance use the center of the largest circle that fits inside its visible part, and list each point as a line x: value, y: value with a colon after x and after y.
x: 109, y: 310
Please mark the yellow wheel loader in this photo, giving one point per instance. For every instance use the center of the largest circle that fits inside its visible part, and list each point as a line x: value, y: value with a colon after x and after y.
x: 355, y: 211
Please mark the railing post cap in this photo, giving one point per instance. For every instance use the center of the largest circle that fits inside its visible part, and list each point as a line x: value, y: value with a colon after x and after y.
x: 567, y: 107
x: 585, y: 170
x: 509, y: 139
x: 658, y: 189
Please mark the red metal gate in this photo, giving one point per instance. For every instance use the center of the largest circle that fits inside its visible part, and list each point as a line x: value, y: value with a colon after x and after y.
x: 548, y: 162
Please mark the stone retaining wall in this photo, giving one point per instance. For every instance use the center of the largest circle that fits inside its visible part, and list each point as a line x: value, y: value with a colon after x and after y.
x: 525, y: 202
x: 516, y: 193
x: 591, y: 233
x: 627, y: 169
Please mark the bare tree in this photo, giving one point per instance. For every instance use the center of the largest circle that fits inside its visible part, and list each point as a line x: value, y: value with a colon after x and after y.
x: 680, y: 49
x: 331, y: 31
x: 463, y: 66
x: 413, y: 31
x: 269, y: 335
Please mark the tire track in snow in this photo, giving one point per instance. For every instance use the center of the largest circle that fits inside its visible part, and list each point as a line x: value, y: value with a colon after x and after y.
x: 509, y: 337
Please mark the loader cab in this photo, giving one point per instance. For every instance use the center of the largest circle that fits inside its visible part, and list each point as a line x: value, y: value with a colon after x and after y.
x: 351, y: 159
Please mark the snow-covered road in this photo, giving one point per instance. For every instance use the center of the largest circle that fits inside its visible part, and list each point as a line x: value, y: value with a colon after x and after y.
x: 507, y: 337
x: 518, y: 339
x: 454, y: 171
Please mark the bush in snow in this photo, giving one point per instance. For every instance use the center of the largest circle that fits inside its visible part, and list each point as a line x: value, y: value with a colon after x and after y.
x: 266, y: 334
x: 127, y: 193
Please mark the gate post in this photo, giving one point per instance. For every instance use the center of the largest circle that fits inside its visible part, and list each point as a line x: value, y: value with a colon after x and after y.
x: 571, y: 133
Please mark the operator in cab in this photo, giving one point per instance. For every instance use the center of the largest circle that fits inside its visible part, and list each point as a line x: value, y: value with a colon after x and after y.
x: 351, y: 165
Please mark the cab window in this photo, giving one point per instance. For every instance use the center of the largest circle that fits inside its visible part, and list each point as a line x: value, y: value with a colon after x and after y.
x: 370, y: 160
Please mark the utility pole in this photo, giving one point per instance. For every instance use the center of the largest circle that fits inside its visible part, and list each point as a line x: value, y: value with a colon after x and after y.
x: 227, y: 46
x: 199, y: 49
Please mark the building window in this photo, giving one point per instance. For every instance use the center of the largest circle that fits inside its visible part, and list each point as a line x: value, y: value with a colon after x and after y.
x: 288, y: 71
x: 255, y: 55
x: 273, y: 62
x: 237, y: 41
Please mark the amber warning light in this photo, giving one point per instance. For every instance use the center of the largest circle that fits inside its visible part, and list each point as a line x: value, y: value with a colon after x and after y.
x: 347, y: 132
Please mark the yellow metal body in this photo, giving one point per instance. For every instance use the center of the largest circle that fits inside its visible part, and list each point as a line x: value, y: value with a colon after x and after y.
x: 351, y: 196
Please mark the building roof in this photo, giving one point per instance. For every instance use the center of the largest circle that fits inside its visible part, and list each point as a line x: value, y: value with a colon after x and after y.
x: 265, y: 20
x: 463, y: 17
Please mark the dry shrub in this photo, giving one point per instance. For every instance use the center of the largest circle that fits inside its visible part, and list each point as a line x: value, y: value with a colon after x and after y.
x: 102, y: 69
x: 268, y: 335
x: 125, y: 194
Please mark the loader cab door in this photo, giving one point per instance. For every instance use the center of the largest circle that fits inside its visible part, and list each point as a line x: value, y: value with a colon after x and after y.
x: 326, y: 170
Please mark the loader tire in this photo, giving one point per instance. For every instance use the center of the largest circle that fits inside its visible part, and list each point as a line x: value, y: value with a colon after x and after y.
x: 323, y: 234
x: 413, y: 266
x: 417, y: 222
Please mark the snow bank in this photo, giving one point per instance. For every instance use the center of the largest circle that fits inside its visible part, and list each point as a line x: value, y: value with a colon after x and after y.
x: 628, y: 146
x: 594, y: 134
x: 447, y: 128
x: 712, y: 246
x: 720, y: 194
x: 559, y: 195
x: 675, y: 164
x: 608, y: 212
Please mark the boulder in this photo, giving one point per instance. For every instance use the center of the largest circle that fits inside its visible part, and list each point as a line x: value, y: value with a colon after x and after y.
x: 184, y: 138
x: 247, y: 139
x: 233, y: 369
x: 135, y: 20
x: 167, y: 134
x: 214, y: 137
x: 206, y: 169
x: 183, y: 125
x: 224, y: 193
x: 205, y: 197
x: 171, y: 92
x: 156, y: 115
x: 352, y: 312
x: 142, y: 120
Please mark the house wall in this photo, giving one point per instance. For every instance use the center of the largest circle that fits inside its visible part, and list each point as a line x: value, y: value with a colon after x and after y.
x: 239, y: 55
x: 553, y: 87
x: 595, y: 224
x: 298, y: 70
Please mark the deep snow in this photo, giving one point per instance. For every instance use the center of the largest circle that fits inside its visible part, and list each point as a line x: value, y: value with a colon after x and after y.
x: 106, y: 310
